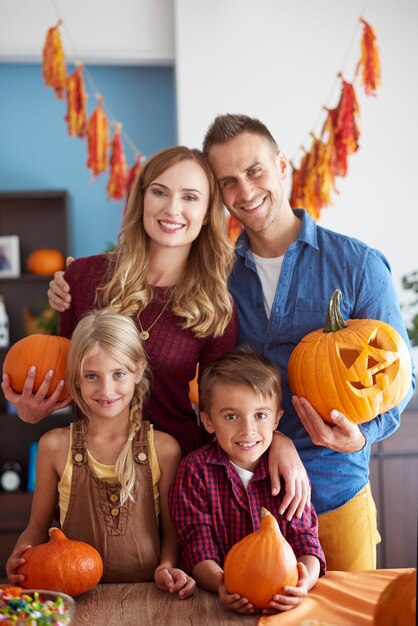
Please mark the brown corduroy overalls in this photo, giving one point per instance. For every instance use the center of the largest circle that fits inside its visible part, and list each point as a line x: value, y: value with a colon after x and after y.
x: 127, y: 536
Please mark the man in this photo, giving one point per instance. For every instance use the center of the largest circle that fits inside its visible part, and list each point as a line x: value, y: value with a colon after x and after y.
x: 286, y: 270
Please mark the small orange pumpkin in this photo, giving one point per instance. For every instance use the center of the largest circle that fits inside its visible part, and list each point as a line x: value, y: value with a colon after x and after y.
x: 45, y: 261
x: 397, y: 604
x: 61, y: 564
x: 194, y: 389
x: 46, y: 352
x: 261, y: 564
x: 362, y: 368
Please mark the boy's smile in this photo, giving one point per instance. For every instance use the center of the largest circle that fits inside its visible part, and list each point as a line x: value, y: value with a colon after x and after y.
x: 243, y: 422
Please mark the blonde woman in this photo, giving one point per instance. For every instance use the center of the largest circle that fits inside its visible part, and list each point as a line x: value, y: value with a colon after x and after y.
x: 109, y: 472
x: 170, y: 276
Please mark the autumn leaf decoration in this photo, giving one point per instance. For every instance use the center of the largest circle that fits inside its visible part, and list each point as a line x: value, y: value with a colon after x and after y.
x: 76, y: 104
x: 133, y: 174
x: 53, y: 62
x: 98, y: 140
x: 116, y: 186
x: 369, y: 63
x: 313, y: 181
x: 234, y: 228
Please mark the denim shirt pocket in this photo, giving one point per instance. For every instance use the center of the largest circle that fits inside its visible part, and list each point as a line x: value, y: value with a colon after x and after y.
x: 309, y: 315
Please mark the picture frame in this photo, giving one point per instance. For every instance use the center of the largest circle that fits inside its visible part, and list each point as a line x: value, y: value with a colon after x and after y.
x: 9, y: 257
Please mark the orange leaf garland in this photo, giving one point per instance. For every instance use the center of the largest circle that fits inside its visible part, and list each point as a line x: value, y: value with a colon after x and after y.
x: 369, y: 60
x: 76, y: 104
x: 347, y: 112
x: 98, y: 141
x: 116, y: 186
x: 53, y: 62
x: 234, y: 229
x: 133, y: 174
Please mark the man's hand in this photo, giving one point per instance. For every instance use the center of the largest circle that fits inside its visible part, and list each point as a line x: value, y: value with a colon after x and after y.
x: 284, y: 461
x: 59, y: 296
x: 32, y: 407
x: 343, y: 436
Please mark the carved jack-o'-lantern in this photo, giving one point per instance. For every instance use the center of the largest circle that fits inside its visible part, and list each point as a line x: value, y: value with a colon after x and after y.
x: 360, y: 367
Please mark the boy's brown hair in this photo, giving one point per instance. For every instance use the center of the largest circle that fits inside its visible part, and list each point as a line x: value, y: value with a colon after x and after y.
x: 242, y: 366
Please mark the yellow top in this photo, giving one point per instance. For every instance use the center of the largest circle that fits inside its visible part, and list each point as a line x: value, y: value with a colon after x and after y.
x: 105, y: 472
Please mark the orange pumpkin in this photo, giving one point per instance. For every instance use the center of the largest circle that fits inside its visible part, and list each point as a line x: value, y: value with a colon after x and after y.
x: 362, y: 368
x: 397, y: 604
x: 46, y: 352
x: 61, y: 564
x: 194, y: 389
x: 261, y: 564
x: 45, y: 261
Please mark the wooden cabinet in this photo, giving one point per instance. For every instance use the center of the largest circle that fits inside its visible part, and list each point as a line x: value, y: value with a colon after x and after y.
x: 39, y: 219
x: 394, y: 480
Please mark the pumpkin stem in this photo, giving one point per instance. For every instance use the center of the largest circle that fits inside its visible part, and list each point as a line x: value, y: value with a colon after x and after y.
x: 264, y: 512
x: 334, y: 320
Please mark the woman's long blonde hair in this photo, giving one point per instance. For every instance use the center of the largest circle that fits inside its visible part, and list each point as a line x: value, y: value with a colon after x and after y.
x: 201, y: 299
x: 117, y: 335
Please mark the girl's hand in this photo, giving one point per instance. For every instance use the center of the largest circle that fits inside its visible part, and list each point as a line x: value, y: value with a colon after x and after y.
x: 295, y: 595
x: 14, y: 561
x: 233, y: 601
x: 174, y: 580
x: 59, y: 296
x: 284, y: 461
x: 32, y: 407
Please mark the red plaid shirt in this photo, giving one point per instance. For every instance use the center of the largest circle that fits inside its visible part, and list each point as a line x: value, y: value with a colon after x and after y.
x: 212, y: 509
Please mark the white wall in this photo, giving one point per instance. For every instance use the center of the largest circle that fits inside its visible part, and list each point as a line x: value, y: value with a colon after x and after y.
x: 136, y: 32
x: 278, y: 61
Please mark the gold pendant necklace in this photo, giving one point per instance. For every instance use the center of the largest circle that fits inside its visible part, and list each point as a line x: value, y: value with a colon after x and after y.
x: 144, y: 334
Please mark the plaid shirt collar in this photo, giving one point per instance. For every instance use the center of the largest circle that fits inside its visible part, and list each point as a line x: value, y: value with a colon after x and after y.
x: 217, y: 456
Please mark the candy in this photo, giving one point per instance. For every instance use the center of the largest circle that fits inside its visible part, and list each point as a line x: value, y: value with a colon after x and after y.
x: 19, y: 607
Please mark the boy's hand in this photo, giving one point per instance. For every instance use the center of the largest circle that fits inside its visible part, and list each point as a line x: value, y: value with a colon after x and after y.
x: 295, y: 595
x: 233, y: 601
x: 174, y: 580
x: 14, y: 561
x: 32, y: 407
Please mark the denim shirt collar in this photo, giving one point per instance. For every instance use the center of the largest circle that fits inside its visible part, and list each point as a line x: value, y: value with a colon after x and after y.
x: 307, y: 234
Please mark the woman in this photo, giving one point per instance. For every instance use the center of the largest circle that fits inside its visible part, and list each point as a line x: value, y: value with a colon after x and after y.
x: 169, y: 275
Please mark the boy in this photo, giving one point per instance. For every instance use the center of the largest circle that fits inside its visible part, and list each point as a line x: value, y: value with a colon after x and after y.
x: 217, y: 495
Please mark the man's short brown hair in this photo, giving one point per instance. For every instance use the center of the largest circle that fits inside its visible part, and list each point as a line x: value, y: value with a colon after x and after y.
x: 229, y: 126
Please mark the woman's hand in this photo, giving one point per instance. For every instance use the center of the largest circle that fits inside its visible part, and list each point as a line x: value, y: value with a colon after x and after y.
x: 59, y: 296
x: 33, y: 407
x: 174, y: 580
x: 284, y: 461
x: 14, y: 561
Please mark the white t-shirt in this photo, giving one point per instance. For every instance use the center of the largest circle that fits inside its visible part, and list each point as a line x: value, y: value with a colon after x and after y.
x: 244, y: 474
x: 268, y: 271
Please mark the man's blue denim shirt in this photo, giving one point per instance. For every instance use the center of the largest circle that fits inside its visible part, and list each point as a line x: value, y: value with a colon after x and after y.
x: 316, y: 264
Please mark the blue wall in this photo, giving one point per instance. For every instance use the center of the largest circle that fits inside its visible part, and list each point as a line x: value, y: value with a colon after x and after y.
x: 36, y: 151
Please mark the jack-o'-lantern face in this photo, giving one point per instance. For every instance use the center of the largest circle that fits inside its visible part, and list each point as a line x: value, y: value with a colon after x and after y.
x: 373, y: 367
x: 362, y: 368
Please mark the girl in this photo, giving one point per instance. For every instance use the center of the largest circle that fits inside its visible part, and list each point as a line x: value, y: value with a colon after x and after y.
x: 170, y: 276
x: 109, y: 471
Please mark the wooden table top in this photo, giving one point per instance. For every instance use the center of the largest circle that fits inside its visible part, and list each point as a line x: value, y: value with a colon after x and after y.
x: 143, y: 604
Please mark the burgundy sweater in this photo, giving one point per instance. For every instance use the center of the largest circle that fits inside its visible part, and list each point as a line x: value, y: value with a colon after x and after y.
x: 173, y: 353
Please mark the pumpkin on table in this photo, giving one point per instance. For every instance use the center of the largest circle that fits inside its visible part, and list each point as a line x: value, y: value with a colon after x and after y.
x: 397, y: 604
x: 261, y: 564
x: 361, y: 367
x: 61, y: 564
x: 46, y: 352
